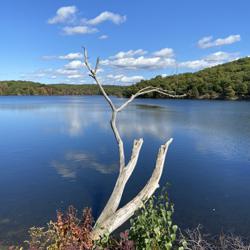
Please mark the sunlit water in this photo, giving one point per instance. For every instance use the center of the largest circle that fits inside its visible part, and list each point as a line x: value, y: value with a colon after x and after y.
x: 58, y: 151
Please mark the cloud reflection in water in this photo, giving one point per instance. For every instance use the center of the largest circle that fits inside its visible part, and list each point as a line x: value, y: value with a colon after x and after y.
x: 78, y: 161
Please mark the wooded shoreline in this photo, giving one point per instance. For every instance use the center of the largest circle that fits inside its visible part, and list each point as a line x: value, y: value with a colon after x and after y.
x: 229, y: 81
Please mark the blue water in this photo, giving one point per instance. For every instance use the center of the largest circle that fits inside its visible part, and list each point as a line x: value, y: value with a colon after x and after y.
x: 58, y: 151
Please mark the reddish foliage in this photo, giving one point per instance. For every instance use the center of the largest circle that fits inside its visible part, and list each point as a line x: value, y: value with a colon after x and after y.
x: 69, y: 232
x: 125, y: 243
x: 74, y: 233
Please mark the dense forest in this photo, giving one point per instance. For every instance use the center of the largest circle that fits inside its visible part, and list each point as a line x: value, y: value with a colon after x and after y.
x: 33, y: 88
x: 226, y: 81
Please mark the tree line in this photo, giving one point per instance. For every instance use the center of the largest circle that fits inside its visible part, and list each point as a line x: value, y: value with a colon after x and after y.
x: 226, y: 81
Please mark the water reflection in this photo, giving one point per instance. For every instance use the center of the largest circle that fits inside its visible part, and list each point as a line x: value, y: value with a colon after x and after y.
x: 146, y: 120
x: 75, y: 124
x: 78, y: 118
x: 4, y: 221
x: 219, y: 128
x: 78, y: 161
x: 57, y: 151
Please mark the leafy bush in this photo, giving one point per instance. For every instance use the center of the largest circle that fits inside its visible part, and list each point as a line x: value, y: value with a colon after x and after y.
x: 67, y: 233
x: 153, y: 228
x: 111, y: 243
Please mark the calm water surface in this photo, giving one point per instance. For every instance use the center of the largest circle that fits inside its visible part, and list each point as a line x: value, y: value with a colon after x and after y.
x: 58, y: 151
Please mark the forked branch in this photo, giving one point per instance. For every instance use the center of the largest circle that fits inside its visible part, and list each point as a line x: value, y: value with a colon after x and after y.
x: 111, y: 217
x: 123, y: 214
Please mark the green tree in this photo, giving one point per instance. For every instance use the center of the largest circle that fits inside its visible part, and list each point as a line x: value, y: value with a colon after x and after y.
x: 243, y: 89
x: 229, y: 92
x: 195, y: 92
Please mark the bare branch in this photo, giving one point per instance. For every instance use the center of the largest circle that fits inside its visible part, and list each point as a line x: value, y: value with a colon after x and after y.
x: 118, y: 139
x: 93, y: 75
x: 86, y: 60
x: 111, y: 218
x: 116, y: 195
x: 124, y: 175
x: 148, y: 87
x: 147, y: 90
x: 97, y: 64
x: 114, y: 113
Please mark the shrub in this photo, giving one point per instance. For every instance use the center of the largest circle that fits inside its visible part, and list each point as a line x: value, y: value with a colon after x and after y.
x: 111, y: 243
x: 67, y: 233
x: 153, y: 228
x: 197, y: 240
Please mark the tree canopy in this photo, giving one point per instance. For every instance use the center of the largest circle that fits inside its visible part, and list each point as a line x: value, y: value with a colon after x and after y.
x: 226, y: 81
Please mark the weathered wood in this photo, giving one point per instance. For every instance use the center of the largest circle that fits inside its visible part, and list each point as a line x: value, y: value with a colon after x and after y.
x: 124, y: 175
x: 126, y: 212
x: 111, y: 217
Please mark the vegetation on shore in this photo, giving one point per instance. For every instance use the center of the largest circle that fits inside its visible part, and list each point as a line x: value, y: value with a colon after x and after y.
x: 226, y: 81
x: 152, y: 228
x: 23, y: 88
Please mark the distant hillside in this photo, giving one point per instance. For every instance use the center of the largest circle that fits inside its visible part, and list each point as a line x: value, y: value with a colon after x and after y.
x: 226, y: 81
x: 32, y: 88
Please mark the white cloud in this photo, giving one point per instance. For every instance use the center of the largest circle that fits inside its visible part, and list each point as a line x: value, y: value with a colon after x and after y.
x: 103, y: 37
x: 69, y: 73
x: 76, y: 64
x: 208, y: 42
x: 129, y: 53
x: 141, y: 63
x: 210, y: 60
x: 72, y: 70
x: 162, y: 59
x: 135, y: 60
x: 63, y: 14
x: 125, y: 79
x: 220, y: 56
x: 76, y: 76
x: 99, y: 70
x: 74, y: 30
x: 77, y: 25
x: 41, y: 73
x: 107, y: 16
x: 71, y: 56
x: 66, y: 72
x: 166, y: 52
x: 195, y: 64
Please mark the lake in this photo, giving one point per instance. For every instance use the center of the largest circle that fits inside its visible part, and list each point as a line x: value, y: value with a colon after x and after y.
x: 60, y: 151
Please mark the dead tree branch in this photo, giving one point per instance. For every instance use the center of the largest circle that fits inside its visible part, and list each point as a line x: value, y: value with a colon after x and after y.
x: 111, y: 217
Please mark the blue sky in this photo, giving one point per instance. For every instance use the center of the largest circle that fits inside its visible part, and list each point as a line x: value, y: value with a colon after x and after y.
x: 41, y: 40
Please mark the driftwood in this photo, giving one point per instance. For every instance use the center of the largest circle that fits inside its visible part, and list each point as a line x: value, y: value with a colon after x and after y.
x: 112, y: 216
